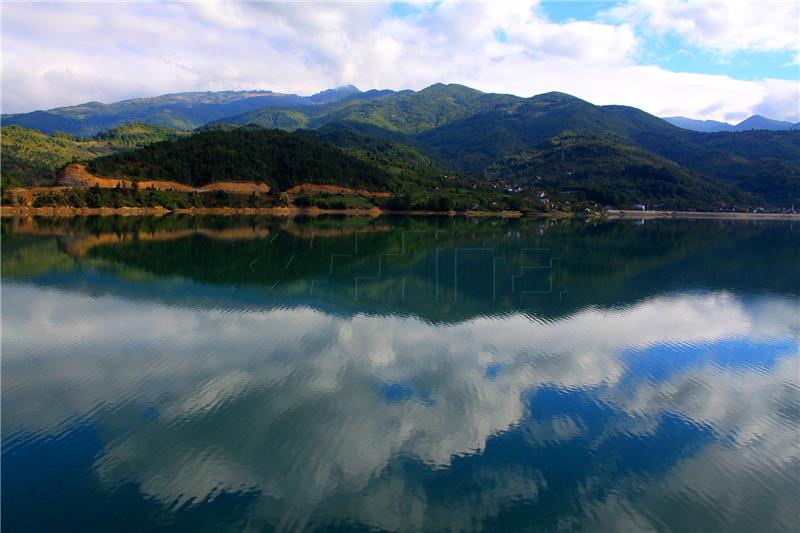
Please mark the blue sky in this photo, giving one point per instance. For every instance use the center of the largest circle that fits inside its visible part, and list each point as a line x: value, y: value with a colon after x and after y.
x: 721, y: 61
x: 670, y: 51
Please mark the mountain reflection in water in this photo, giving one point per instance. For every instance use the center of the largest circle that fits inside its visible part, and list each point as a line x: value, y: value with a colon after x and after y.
x: 400, y: 374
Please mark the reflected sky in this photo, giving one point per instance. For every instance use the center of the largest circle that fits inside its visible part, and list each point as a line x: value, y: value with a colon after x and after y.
x: 178, y: 406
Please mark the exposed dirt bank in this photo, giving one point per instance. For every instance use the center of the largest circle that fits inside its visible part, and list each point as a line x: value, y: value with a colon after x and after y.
x: 76, y: 175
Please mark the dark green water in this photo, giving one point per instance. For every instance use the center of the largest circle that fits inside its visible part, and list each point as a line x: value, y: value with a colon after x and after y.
x: 400, y: 374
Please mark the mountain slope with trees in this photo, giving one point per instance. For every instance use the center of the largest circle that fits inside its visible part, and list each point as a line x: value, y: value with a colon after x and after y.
x: 605, y: 170
x: 32, y: 158
x: 274, y: 157
x: 177, y: 111
x: 418, y: 137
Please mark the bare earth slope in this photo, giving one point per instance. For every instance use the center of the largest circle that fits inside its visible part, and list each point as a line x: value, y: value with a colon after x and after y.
x: 76, y: 175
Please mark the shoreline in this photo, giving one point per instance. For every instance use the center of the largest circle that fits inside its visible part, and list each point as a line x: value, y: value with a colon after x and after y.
x: 708, y: 215
x: 291, y: 211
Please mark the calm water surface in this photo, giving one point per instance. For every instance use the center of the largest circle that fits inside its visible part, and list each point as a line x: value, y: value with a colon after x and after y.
x: 206, y: 374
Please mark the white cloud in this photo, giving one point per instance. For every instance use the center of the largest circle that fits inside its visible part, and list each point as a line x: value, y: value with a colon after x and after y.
x: 66, y: 54
x: 727, y: 26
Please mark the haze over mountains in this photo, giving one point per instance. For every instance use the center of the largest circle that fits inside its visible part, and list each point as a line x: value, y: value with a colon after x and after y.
x: 756, y: 122
x: 611, y: 154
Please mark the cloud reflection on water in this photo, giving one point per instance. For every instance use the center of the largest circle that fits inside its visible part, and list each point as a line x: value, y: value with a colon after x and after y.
x: 311, y: 409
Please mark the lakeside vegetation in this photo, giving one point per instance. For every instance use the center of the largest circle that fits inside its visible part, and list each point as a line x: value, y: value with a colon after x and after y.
x: 96, y: 197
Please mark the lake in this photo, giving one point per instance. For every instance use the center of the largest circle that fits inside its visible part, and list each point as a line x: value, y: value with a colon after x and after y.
x: 400, y: 374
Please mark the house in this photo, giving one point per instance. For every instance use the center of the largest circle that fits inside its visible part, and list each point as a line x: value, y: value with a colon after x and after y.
x: 640, y: 207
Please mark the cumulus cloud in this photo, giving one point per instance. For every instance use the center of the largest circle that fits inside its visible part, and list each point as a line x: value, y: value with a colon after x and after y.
x: 64, y: 54
x: 726, y: 26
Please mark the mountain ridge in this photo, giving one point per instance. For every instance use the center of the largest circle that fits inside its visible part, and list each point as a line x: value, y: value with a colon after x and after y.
x: 187, y: 110
x: 758, y: 122
x: 450, y: 129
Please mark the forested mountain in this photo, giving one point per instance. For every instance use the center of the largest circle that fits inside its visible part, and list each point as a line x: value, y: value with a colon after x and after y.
x: 453, y: 129
x: 322, y: 112
x: 475, y: 142
x: 416, y: 112
x: 32, y: 158
x: 605, y: 170
x: 274, y: 157
x: 285, y: 119
x: 405, y: 111
x: 574, y: 167
x: 177, y: 111
x: 392, y: 151
x: 467, y: 131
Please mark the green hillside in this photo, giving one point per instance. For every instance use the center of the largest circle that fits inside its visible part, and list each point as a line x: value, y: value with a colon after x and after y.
x: 406, y: 112
x: 277, y: 158
x: 285, y: 119
x: 775, y: 180
x: 394, y: 153
x: 467, y: 131
x: 477, y: 141
x: 32, y: 158
x: 414, y: 138
x: 416, y: 112
x: 178, y: 111
x: 283, y: 159
x: 605, y: 170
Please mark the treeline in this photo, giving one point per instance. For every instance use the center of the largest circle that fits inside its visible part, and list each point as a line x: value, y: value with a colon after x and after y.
x: 95, y: 197
x: 277, y: 158
x: 442, y: 201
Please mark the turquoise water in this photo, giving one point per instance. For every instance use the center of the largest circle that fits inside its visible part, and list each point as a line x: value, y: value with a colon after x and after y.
x: 400, y: 374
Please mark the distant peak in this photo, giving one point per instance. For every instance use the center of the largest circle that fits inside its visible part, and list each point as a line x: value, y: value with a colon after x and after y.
x: 755, y: 122
x: 333, y: 95
x: 342, y: 89
x: 762, y: 122
x: 757, y: 118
